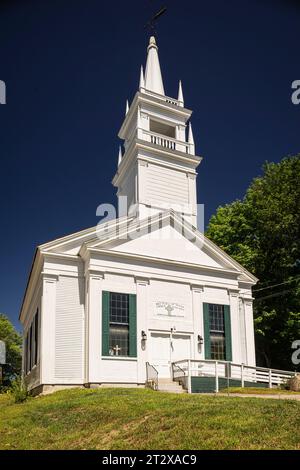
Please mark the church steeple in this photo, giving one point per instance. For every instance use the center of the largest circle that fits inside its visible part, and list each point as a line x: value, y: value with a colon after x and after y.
x: 158, y: 168
x: 153, y: 77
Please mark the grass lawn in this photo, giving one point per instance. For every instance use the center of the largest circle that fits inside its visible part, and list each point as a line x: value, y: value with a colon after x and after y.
x: 259, y: 391
x: 143, y: 419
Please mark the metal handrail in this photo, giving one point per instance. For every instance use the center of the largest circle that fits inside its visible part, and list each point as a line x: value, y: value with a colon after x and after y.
x: 151, y: 376
x: 178, y: 367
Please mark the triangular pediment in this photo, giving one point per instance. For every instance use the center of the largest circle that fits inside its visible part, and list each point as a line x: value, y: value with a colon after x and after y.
x: 164, y: 236
x: 164, y: 243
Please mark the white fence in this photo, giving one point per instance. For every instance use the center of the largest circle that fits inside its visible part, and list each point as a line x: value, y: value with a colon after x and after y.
x: 185, y: 369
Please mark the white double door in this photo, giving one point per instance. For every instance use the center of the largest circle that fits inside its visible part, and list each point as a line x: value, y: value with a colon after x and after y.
x: 167, y: 348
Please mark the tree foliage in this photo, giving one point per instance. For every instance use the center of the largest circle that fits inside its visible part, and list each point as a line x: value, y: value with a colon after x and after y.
x: 13, y: 341
x: 262, y: 232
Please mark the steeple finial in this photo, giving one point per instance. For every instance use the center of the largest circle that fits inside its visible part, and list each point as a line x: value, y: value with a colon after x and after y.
x: 180, y: 94
x: 127, y: 107
x: 120, y: 155
x: 153, y: 77
x: 142, y: 79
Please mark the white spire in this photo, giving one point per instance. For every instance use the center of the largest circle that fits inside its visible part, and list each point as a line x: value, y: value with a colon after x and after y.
x: 127, y: 107
x: 191, y: 137
x: 120, y: 155
x: 180, y: 94
x: 153, y: 78
x: 142, y: 79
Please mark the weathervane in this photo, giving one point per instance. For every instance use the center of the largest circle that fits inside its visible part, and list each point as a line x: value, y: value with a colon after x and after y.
x: 152, y: 22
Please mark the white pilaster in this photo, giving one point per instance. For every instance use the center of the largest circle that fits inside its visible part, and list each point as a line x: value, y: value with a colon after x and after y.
x: 243, y: 331
x: 197, y: 301
x: 250, y: 341
x: 47, y: 319
x: 193, y: 197
x: 141, y: 180
x: 235, y: 325
x: 94, y: 325
x: 142, y: 314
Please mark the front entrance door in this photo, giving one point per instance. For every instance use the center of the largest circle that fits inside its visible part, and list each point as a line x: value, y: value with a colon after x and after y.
x: 166, y: 349
x: 161, y: 354
x: 180, y: 348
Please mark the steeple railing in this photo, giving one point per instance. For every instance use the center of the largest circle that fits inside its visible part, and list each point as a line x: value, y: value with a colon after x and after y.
x: 165, y: 141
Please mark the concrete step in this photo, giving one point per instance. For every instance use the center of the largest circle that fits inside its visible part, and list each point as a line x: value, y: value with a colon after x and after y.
x: 170, y: 389
x: 167, y: 385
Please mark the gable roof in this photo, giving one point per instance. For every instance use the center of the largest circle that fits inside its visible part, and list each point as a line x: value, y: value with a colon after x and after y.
x: 116, y: 233
x: 106, y: 236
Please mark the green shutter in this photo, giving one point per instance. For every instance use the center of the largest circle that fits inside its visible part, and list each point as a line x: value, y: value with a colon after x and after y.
x: 105, y: 323
x: 207, y: 350
x: 132, y: 325
x: 227, y: 322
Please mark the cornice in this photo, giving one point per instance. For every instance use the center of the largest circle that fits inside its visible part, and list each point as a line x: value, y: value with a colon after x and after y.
x: 95, y: 274
x: 142, y: 280
x: 151, y: 100
x: 48, y: 254
x: 233, y: 292
x: 132, y: 154
x: 160, y: 261
x: 199, y: 288
x: 50, y: 277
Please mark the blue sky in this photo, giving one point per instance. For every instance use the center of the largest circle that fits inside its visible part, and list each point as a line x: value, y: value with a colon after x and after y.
x: 69, y: 67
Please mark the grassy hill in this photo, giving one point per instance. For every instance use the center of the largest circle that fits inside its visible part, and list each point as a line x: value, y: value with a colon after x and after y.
x: 143, y: 419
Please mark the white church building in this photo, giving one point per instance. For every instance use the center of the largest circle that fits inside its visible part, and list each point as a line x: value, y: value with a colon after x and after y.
x: 146, y: 297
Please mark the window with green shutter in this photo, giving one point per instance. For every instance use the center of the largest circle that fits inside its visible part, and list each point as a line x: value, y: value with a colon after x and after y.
x: 118, y: 324
x: 217, y: 332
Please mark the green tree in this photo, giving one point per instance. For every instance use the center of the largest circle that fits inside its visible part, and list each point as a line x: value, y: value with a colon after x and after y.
x: 262, y: 232
x: 13, y: 341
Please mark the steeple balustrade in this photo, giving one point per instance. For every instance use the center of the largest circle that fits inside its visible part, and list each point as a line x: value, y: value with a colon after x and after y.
x: 164, y: 141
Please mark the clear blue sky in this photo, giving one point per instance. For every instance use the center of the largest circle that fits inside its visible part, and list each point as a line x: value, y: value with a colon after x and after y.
x: 69, y: 66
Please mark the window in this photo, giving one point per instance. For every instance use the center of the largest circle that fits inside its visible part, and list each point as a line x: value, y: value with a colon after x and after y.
x: 31, y: 344
x: 217, y: 332
x: 29, y: 348
x: 162, y: 128
x: 36, y: 336
x: 26, y: 354
x: 118, y: 324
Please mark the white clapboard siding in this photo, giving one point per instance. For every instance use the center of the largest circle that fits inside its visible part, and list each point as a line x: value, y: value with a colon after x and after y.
x: 128, y: 188
x: 166, y: 185
x: 69, y: 330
